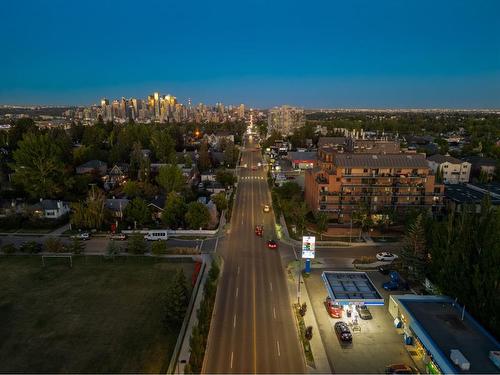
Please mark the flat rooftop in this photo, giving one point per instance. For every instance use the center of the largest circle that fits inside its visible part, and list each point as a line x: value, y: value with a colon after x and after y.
x: 351, y: 287
x: 464, y: 194
x: 441, y: 321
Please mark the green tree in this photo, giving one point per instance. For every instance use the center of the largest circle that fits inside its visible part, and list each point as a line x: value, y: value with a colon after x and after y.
x: 21, y: 127
x: 136, y: 244
x: 163, y: 146
x: 225, y: 178
x: 175, y: 208
x: 159, y: 248
x: 414, y: 255
x: 321, y: 223
x: 197, y: 215
x: 204, y: 161
x: 76, y: 246
x: 137, y: 212
x: 89, y: 214
x: 38, y: 166
x: 170, y: 178
x: 188, y: 161
x: 230, y: 154
x: 220, y: 201
x: 132, y: 189
x: 176, y: 299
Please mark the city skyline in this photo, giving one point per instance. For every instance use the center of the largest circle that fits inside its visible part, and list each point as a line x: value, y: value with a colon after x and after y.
x: 359, y: 55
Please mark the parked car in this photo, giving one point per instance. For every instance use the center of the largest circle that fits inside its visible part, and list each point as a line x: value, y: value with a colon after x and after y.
x: 363, y: 312
x: 333, y: 309
x: 396, y: 282
x: 84, y: 236
x: 118, y: 236
x: 400, y: 368
x: 343, y: 332
x: 386, y: 256
x: 272, y: 244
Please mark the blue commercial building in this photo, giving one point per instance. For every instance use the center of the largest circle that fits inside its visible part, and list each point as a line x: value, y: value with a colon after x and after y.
x: 436, y: 328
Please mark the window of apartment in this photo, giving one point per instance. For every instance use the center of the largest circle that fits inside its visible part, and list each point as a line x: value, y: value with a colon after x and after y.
x: 365, y: 170
x: 445, y: 166
x: 338, y: 179
x: 437, y: 190
x: 347, y: 171
x: 348, y: 179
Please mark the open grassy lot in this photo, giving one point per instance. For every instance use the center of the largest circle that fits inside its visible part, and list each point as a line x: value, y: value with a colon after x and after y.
x: 99, y: 316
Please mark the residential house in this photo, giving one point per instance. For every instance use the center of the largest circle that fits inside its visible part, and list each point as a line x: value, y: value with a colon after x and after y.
x: 453, y: 170
x: 93, y: 166
x: 116, y: 207
x: 116, y: 176
x: 51, y: 209
x: 215, y: 140
x: 479, y: 164
x: 347, y: 181
x: 157, y: 206
x: 10, y: 207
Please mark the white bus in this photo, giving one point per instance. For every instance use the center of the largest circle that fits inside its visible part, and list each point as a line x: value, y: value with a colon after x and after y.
x: 156, y: 235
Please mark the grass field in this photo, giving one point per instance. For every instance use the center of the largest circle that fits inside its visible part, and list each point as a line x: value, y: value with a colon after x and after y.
x: 99, y: 316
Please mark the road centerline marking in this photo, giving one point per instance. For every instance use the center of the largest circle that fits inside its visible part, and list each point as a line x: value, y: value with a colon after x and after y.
x: 274, y: 312
x: 231, y: 364
x: 278, y: 346
x: 236, y: 294
x: 234, y: 321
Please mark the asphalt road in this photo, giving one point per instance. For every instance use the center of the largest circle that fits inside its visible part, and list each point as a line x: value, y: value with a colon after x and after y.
x: 253, y: 329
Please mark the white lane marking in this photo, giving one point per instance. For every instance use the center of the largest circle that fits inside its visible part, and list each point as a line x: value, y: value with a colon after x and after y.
x: 234, y: 321
x: 274, y: 312
x: 278, y: 346
x: 238, y: 270
x: 231, y: 359
x: 271, y: 286
x: 236, y: 292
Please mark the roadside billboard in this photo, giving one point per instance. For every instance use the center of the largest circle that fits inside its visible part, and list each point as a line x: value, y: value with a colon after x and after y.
x: 308, y: 247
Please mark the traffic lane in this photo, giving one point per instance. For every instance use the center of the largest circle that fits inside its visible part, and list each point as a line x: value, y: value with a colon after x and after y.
x: 231, y: 301
x: 281, y: 323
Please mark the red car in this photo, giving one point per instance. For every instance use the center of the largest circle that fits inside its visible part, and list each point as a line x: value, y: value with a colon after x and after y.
x: 258, y: 230
x: 333, y: 309
x: 272, y: 244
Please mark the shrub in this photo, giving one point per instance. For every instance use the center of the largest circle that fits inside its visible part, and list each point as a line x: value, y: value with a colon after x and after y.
x: 159, y: 248
x: 136, y: 244
x: 9, y: 248
x: 54, y: 245
x: 30, y: 247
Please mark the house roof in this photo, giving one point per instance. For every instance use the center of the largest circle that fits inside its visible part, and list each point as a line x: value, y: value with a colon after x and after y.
x: 116, y: 204
x: 302, y: 155
x: 158, y: 201
x: 93, y: 164
x: 380, y: 161
x: 440, y: 159
x: 480, y: 161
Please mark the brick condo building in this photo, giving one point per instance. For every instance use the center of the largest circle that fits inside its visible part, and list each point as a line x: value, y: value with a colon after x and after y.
x: 343, y: 182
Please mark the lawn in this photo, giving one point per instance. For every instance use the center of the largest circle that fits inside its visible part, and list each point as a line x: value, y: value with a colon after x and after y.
x: 99, y: 316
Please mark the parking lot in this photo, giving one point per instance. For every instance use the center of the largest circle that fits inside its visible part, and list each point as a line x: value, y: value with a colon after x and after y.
x: 375, y: 346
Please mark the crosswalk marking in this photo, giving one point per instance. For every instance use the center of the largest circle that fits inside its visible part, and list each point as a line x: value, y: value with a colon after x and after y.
x: 253, y: 178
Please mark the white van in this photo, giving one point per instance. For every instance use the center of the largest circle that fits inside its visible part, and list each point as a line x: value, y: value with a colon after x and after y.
x: 156, y: 235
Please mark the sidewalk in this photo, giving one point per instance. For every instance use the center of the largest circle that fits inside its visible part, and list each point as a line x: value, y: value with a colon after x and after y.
x: 317, y: 348
x: 179, y: 361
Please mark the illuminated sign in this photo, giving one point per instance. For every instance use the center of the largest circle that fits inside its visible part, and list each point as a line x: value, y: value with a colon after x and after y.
x: 308, y: 247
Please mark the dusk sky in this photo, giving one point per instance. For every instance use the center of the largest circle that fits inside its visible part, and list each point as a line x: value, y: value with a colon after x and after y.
x: 376, y: 54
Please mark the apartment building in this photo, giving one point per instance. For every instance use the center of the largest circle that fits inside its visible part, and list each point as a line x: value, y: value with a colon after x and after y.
x: 453, y: 170
x: 343, y: 182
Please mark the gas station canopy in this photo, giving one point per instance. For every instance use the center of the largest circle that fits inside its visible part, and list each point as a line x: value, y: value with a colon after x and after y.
x: 346, y: 288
